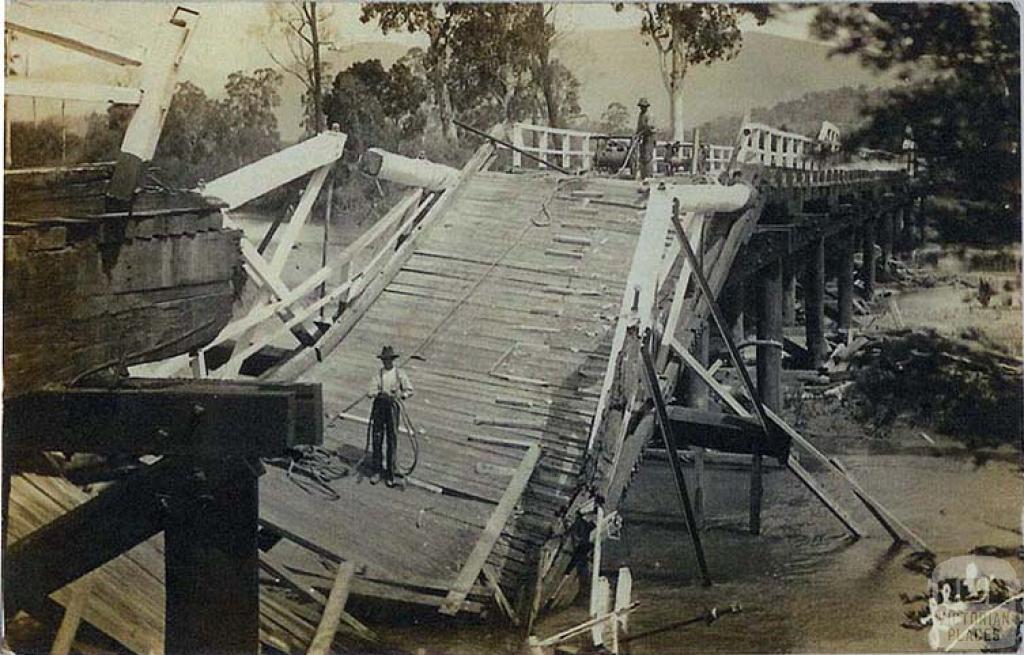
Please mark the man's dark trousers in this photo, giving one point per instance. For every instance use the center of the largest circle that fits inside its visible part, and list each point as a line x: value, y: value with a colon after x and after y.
x: 385, y: 434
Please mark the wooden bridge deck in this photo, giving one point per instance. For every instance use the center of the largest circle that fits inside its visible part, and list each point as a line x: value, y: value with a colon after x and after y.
x: 503, y: 316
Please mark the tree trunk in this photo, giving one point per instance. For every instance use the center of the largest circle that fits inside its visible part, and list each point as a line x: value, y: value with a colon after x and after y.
x: 551, y: 102
x: 675, y: 87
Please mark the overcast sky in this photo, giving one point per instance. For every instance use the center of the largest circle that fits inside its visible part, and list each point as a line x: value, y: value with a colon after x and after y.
x: 235, y: 35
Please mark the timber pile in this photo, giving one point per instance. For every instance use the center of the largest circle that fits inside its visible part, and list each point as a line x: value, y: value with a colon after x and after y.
x: 85, y: 290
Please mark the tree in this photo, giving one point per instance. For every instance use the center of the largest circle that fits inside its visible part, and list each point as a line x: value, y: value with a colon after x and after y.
x: 375, y: 106
x: 440, y: 22
x: 962, y: 100
x: 689, y: 34
x: 305, y: 28
x: 615, y: 120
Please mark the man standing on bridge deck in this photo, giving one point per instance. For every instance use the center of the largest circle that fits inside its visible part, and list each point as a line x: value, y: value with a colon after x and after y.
x: 645, y: 140
x: 387, y: 388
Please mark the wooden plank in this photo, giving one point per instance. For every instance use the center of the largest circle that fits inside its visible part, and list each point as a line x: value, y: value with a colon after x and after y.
x: 50, y: 24
x: 81, y: 540
x: 333, y: 610
x: 252, y: 181
x: 102, y: 93
x: 495, y: 525
x: 65, y: 637
x: 166, y: 417
x: 281, y: 572
x: 298, y: 219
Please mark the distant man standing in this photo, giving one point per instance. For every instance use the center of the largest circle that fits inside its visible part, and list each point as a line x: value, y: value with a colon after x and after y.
x: 387, y: 388
x: 645, y: 138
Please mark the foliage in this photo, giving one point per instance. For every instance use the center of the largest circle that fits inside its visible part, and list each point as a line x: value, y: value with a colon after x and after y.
x: 957, y: 386
x: 488, y: 62
x: 615, y: 120
x: 962, y: 102
x: 374, y: 106
x: 686, y: 34
x: 40, y: 143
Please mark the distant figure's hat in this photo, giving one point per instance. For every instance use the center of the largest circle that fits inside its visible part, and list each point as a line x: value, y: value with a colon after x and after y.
x: 643, y: 103
x: 387, y: 353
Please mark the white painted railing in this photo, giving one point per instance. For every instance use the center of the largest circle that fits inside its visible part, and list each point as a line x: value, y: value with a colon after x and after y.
x: 575, y: 150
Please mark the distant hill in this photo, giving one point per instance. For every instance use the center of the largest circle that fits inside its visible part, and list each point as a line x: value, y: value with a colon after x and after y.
x: 844, y: 107
x: 616, y: 66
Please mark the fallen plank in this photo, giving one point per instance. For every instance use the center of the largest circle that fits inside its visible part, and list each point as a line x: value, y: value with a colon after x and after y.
x: 279, y: 571
x: 333, y: 610
x: 495, y: 525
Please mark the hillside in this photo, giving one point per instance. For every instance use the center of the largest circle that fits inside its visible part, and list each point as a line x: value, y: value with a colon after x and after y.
x: 843, y: 107
x: 616, y: 66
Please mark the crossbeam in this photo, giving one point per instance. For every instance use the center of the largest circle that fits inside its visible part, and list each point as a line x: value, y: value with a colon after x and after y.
x: 121, y: 95
x: 262, y: 176
x: 83, y: 539
x: 164, y: 417
x: 49, y: 24
x: 725, y: 432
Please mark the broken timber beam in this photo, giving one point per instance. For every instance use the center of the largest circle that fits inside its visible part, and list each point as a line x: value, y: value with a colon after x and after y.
x: 791, y: 462
x: 165, y: 417
x: 492, y: 531
x: 81, y: 540
x: 724, y: 432
x: 282, y: 574
x: 333, y: 610
x: 264, y: 175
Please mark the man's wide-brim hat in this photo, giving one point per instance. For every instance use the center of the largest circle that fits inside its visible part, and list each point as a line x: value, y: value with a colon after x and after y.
x: 386, y: 353
x: 643, y: 103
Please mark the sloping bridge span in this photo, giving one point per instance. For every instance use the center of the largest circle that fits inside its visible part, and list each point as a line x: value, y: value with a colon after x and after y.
x: 519, y: 304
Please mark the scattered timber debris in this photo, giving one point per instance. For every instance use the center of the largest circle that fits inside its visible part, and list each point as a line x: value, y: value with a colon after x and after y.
x: 958, y: 386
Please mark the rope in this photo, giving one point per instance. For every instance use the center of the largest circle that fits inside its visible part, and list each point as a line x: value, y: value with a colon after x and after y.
x: 311, y: 468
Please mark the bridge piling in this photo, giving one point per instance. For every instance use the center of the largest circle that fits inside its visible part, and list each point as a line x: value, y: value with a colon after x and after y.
x: 814, y: 302
x: 869, y: 262
x: 769, y: 370
x: 885, y: 239
x: 696, y: 396
x: 844, y: 281
x: 789, y: 274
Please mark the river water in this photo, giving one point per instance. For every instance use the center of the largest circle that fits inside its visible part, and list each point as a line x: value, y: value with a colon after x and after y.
x: 802, y: 585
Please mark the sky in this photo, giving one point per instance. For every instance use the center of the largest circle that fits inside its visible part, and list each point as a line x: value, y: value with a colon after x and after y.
x: 236, y: 35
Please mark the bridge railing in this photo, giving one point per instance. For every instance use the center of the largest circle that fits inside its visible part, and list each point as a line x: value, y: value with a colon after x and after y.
x: 579, y: 150
x: 576, y: 149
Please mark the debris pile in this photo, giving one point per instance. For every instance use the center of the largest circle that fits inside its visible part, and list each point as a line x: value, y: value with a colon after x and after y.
x: 958, y: 386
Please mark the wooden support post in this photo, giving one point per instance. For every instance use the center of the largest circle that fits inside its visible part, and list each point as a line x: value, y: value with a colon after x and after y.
x: 906, y: 229
x: 789, y: 273
x: 844, y: 281
x: 868, y: 253
x: 814, y: 302
x: 325, y: 631
x: 736, y: 302
x: 72, y: 618
x: 769, y: 370
x: 885, y: 240
x: 668, y: 436
x: 696, y: 396
x: 212, y: 565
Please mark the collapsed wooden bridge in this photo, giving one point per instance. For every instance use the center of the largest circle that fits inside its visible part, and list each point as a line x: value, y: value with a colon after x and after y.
x: 545, y: 319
